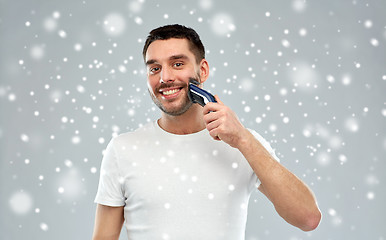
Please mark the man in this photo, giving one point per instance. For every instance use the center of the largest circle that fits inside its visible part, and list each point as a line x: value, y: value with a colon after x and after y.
x: 189, y: 174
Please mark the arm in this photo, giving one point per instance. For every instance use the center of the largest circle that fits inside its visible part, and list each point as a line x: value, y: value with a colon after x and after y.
x: 108, y: 222
x: 292, y: 199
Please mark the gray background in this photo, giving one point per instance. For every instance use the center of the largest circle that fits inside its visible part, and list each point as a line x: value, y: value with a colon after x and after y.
x: 310, y: 76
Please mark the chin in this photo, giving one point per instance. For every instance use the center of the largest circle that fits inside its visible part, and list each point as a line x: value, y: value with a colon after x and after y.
x: 172, y: 108
x: 177, y: 111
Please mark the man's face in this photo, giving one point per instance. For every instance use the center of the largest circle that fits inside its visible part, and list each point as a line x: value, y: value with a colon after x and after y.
x: 170, y: 64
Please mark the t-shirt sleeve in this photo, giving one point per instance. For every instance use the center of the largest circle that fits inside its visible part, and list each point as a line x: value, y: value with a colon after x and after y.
x: 267, y: 146
x: 110, y: 190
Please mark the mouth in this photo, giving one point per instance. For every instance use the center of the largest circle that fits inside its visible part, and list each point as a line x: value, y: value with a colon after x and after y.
x: 170, y: 92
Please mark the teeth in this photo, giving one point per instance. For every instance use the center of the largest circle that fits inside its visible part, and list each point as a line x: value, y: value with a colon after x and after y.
x: 169, y: 92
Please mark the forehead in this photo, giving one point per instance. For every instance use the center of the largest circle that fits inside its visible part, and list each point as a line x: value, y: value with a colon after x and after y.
x: 163, y: 49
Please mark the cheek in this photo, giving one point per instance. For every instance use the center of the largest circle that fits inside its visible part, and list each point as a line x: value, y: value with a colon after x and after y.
x: 187, y: 75
x: 150, y: 85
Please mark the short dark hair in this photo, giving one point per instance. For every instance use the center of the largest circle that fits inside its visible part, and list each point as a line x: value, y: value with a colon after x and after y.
x: 177, y: 31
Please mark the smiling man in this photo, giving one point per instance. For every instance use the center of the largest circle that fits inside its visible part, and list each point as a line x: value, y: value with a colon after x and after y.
x: 189, y: 174
x: 170, y: 96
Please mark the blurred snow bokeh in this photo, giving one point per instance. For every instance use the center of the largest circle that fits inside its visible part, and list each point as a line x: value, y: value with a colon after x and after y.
x: 21, y: 202
x: 309, y: 76
x: 114, y: 24
x: 304, y: 77
x: 223, y: 24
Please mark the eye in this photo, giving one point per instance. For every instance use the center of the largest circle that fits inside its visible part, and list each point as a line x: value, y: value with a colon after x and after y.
x: 178, y: 64
x: 154, y: 69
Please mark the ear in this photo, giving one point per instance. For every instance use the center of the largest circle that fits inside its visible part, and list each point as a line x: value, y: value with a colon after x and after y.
x: 204, y: 70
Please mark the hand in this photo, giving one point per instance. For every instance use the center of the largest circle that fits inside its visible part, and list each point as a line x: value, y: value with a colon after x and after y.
x: 223, y: 124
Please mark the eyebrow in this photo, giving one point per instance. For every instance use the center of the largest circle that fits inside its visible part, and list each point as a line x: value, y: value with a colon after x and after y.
x: 181, y: 56
x: 174, y: 57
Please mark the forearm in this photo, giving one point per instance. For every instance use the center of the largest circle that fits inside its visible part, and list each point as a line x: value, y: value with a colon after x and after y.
x: 290, y: 196
x: 292, y: 199
x: 107, y: 237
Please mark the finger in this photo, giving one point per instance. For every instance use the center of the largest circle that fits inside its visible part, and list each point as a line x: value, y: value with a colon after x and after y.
x: 218, y: 99
x: 210, y: 117
x: 213, y: 125
x: 210, y: 107
x: 213, y: 107
x: 214, y: 134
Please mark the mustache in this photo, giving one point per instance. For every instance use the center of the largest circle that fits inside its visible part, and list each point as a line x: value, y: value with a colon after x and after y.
x: 172, y: 85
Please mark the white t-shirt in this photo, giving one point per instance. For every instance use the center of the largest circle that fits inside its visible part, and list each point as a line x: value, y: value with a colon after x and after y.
x: 177, y: 186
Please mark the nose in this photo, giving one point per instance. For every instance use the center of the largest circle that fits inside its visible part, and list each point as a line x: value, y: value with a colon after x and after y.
x: 166, y: 75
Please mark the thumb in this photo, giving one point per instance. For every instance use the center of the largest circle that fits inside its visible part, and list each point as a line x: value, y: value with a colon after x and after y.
x: 218, y: 99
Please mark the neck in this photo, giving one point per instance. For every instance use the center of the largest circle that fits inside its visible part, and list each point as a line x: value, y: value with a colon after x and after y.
x: 190, y: 122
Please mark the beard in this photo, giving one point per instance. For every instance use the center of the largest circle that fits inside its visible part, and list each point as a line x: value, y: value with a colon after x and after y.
x: 177, y: 110
x: 173, y: 111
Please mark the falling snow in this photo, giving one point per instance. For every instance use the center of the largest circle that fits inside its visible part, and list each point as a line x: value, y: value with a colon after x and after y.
x: 310, y: 79
x: 21, y: 202
x: 114, y: 24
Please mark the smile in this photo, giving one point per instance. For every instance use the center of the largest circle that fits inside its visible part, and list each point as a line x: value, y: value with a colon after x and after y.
x: 170, y: 92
